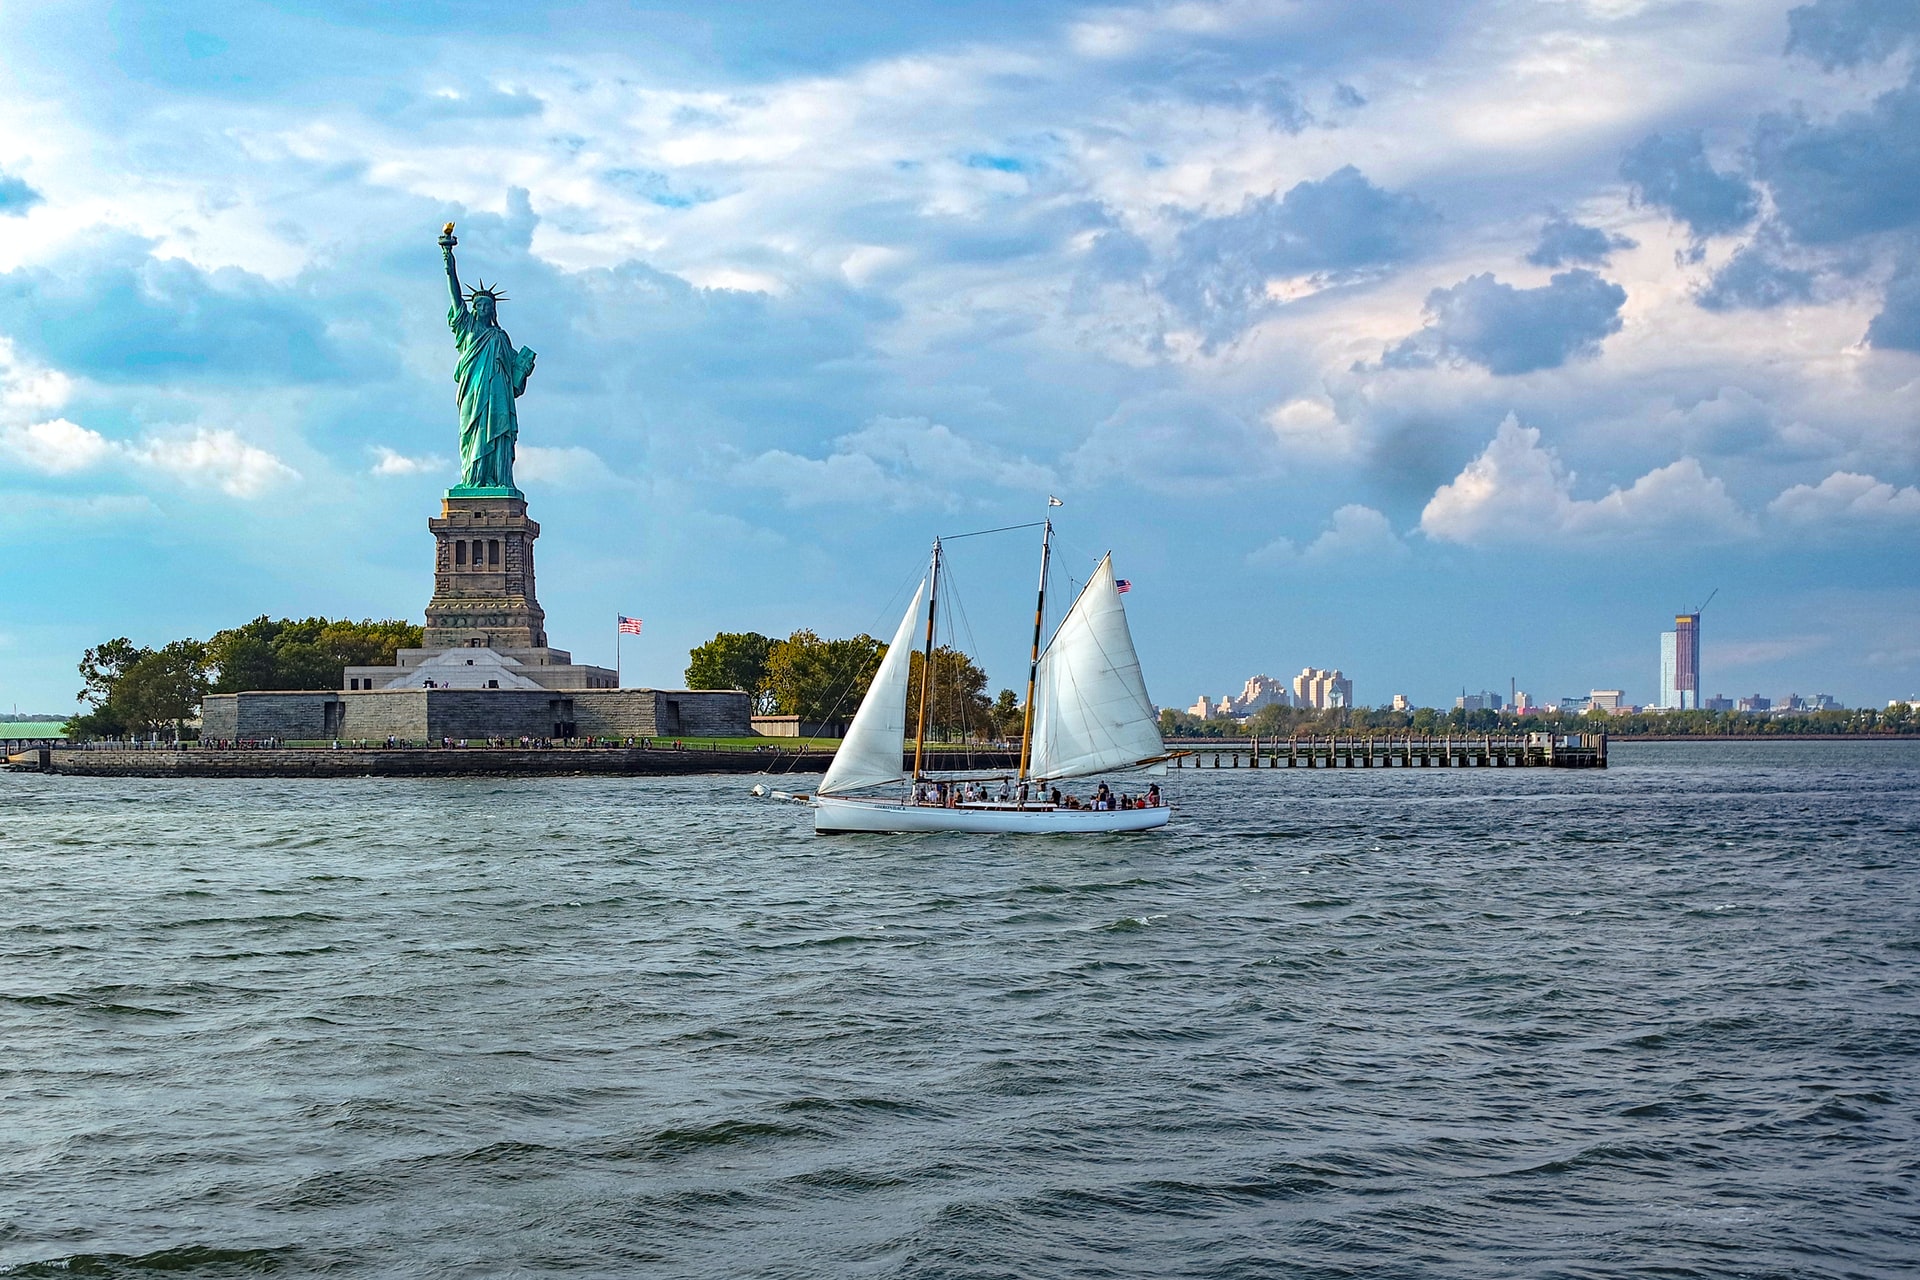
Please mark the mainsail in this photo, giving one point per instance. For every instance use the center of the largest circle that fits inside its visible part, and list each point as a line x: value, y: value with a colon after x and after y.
x: 1091, y: 710
x: 870, y: 754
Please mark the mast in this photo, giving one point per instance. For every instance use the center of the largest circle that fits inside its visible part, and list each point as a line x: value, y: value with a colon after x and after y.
x: 926, y: 665
x: 1033, y: 665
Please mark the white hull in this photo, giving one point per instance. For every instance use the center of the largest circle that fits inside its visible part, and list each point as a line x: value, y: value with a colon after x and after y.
x: 836, y: 814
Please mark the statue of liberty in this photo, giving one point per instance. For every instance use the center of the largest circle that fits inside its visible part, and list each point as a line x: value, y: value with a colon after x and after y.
x: 489, y: 376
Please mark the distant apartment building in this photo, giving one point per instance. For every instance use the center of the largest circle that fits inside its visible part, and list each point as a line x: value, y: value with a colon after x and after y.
x: 1321, y: 689
x: 1400, y: 702
x: 1485, y: 700
x: 1523, y: 702
x: 1756, y: 703
x: 1607, y: 700
x: 1680, y: 664
x: 1259, y: 691
x: 1719, y: 702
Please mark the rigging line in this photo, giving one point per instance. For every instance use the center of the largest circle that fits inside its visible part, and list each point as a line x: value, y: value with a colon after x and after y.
x: 1005, y: 528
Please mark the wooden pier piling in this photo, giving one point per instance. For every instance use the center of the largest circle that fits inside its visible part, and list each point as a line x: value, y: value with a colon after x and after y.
x: 1407, y: 751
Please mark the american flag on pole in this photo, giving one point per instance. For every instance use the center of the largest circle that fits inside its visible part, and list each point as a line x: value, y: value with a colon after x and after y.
x: 629, y: 626
x: 1122, y: 585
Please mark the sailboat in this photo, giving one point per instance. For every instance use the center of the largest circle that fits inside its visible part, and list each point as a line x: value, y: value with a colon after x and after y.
x: 1087, y: 713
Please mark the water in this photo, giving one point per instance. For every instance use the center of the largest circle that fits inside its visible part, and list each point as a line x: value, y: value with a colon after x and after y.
x: 1657, y: 1020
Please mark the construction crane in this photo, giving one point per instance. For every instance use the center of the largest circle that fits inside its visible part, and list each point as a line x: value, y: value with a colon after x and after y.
x: 1701, y: 607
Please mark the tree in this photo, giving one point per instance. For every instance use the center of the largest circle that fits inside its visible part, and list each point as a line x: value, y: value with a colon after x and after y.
x: 308, y: 653
x: 1009, y: 717
x: 132, y: 689
x: 732, y: 660
x: 102, y: 665
x: 162, y: 688
x: 819, y: 679
x: 959, y: 706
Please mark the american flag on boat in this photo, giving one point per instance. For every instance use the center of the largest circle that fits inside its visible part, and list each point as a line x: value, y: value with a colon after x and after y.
x: 1122, y: 585
x: 629, y: 626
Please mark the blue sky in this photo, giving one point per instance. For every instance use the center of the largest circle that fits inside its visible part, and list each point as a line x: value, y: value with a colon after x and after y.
x: 1443, y: 343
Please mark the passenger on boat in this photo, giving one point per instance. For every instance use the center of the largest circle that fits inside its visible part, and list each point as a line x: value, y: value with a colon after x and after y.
x: 1153, y: 795
x: 1056, y: 797
x: 1103, y: 798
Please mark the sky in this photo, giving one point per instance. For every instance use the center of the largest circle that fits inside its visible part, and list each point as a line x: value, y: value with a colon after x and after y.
x: 1448, y: 344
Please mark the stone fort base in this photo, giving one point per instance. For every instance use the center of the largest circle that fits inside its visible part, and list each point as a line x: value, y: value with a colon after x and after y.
x: 418, y: 715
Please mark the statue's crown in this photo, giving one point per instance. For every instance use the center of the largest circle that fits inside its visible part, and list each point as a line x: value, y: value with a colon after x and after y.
x: 485, y: 290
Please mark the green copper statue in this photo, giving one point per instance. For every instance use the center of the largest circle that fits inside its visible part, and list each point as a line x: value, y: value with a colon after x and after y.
x: 490, y: 375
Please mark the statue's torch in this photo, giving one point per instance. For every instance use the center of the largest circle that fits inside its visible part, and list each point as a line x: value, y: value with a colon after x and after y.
x: 447, y: 238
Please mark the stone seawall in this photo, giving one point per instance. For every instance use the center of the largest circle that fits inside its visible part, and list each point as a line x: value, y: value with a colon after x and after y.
x: 464, y: 762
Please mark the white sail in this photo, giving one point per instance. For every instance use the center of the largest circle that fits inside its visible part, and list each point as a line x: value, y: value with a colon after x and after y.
x: 1091, y: 710
x: 872, y: 751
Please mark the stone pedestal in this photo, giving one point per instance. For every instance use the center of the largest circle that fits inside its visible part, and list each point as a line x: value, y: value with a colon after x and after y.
x: 483, y: 593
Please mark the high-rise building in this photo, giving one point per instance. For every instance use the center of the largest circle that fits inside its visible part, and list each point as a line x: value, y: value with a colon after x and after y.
x: 1680, y: 664
x: 1321, y: 689
x: 1401, y: 702
x: 1485, y: 700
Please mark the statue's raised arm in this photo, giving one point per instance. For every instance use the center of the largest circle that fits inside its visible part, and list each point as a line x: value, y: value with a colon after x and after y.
x: 447, y: 241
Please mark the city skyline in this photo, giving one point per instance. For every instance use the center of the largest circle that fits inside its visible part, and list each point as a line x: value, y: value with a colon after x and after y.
x: 1429, y: 340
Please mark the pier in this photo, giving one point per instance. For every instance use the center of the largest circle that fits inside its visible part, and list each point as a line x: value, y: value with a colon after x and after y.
x: 1400, y: 751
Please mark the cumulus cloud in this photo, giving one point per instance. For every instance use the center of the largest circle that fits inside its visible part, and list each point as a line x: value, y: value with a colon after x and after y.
x: 1847, y: 500
x: 1175, y: 442
x: 390, y: 462
x: 16, y: 197
x: 1331, y: 229
x: 1507, y: 330
x: 1897, y: 326
x: 217, y: 458
x: 1847, y: 33
x: 1854, y: 175
x: 897, y: 461
x: 56, y: 447
x: 1517, y: 492
x: 1357, y: 533
x: 1754, y: 278
x: 1311, y: 427
x: 1672, y: 172
x: 109, y: 309
x: 1564, y: 242
x: 564, y: 465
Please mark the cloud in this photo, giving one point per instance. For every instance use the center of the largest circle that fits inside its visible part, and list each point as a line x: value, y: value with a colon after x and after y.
x: 481, y: 102
x: 215, y: 457
x: 1357, y: 533
x: 16, y: 197
x: 1509, y: 330
x: 57, y: 447
x: 897, y: 461
x: 1518, y: 493
x: 1897, y: 327
x: 1175, y: 442
x: 1755, y: 279
x: 109, y: 309
x: 392, y: 463
x: 1330, y: 229
x: 1672, y: 172
x: 1311, y: 427
x: 564, y: 465
x: 1847, y: 500
x: 1858, y: 174
x: 1847, y: 33
x: 1564, y: 242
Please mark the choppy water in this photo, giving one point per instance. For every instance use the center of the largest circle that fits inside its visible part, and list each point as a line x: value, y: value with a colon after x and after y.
x: 1658, y: 1020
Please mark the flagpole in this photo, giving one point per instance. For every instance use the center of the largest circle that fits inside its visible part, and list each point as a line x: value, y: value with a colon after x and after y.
x: 616, y: 650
